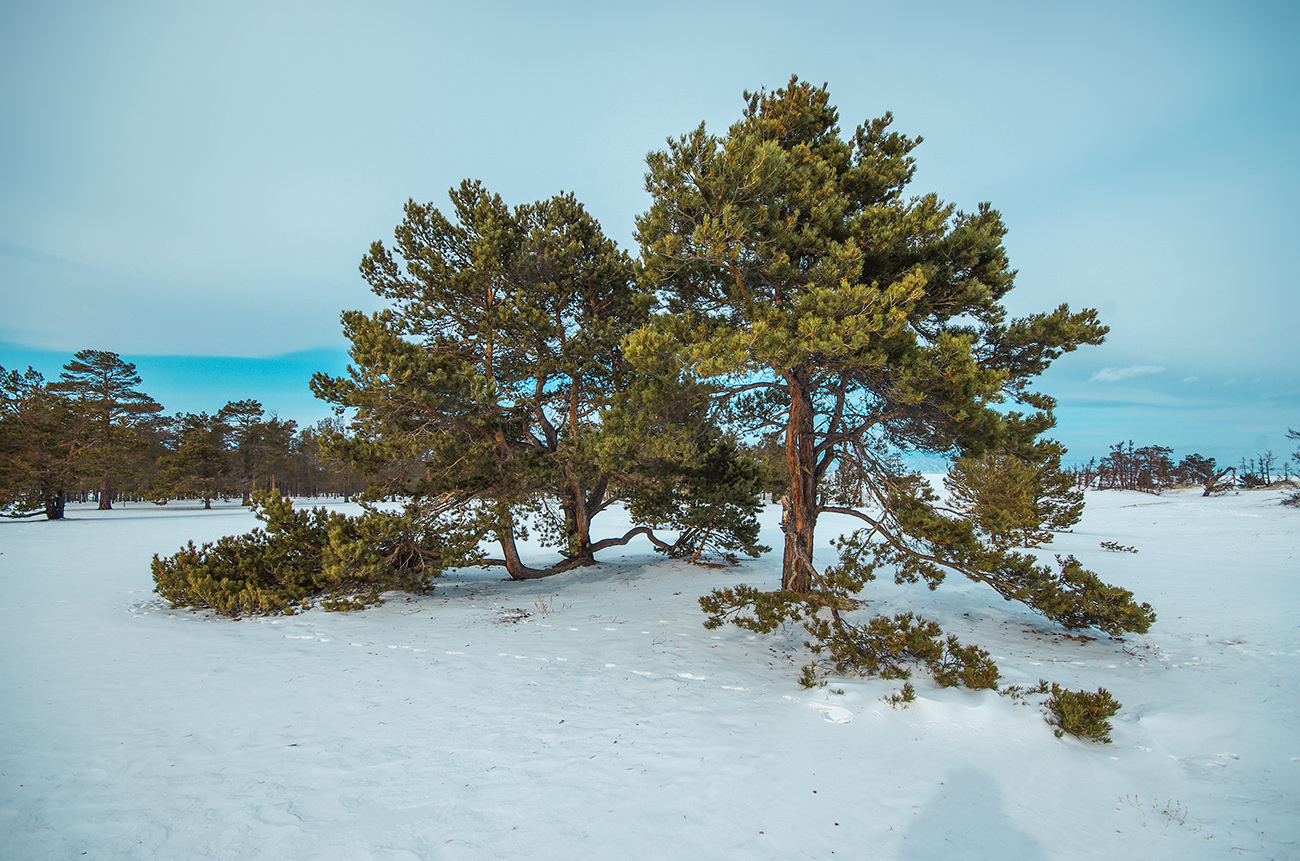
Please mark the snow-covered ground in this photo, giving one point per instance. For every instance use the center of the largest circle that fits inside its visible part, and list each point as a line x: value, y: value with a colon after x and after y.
x: 591, y: 715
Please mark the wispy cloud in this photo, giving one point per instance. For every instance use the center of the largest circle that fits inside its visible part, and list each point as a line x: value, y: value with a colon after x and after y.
x: 1114, y: 375
x: 1191, y: 379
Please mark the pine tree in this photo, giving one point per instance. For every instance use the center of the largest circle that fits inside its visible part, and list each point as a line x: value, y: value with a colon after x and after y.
x: 321, y: 472
x: 490, y: 392
x: 40, y: 445
x: 200, y: 464
x: 260, y: 448
x: 102, y: 388
x: 1291, y: 499
x: 859, y: 321
x: 1198, y: 469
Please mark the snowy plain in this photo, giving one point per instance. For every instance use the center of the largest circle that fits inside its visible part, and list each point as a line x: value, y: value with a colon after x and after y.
x: 591, y: 715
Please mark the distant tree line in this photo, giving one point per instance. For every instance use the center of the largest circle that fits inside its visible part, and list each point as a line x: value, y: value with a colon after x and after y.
x: 92, y: 435
x: 1151, y: 469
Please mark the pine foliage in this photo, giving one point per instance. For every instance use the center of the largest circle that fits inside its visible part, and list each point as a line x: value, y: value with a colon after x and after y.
x: 886, y: 647
x: 1083, y: 714
x: 494, y: 389
x: 298, y: 558
x: 1013, y: 500
x: 712, y: 503
x: 199, y: 466
x: 829, y: 305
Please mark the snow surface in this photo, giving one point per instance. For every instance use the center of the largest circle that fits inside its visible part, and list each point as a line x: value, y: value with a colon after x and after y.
x: 591, y: 715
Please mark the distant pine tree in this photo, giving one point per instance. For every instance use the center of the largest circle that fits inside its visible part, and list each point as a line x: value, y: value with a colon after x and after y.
x: 1197, y: 469
x: 102, y: 389
x: 1293, y: 499
x: 200, y: 465
x: 260, y: 448
x: 40, y: 442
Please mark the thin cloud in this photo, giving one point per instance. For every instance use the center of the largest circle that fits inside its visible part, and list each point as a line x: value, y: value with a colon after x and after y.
x: 1114, y: 375
x: 1191, y: 379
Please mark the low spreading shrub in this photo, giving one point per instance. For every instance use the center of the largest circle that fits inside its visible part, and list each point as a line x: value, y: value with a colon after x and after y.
x: 902, y: 697
x: 1081, y: 713
x: 299, y: 557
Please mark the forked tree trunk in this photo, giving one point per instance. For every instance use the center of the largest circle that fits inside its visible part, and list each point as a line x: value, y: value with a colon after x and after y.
x: 518, y: 570
x: 587, y: 548
x: 799, y: 517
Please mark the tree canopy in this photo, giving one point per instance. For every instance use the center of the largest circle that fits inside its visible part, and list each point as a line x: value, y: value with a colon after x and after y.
x: 489, y: 394
x: 805, y: 283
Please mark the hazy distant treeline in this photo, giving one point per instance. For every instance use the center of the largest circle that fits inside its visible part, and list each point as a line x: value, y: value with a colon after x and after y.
x: 1152, y: 469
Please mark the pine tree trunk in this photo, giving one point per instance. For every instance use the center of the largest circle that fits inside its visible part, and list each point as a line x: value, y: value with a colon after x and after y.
x: 799, y: 519
x: 54, y: 501
x: 579, y: 517
x: 517, y: 569
x: 105, y: 494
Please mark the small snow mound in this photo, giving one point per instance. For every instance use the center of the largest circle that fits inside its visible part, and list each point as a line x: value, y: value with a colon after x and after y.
x: 834, y: 714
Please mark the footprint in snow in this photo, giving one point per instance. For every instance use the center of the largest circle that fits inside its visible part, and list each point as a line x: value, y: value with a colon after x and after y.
x: 691, y: 677
x: 835, y: 714
x: 646, y: 673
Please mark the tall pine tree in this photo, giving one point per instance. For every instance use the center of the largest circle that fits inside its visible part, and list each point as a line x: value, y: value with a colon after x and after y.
x: 102, y: 389
x: 859, y: 321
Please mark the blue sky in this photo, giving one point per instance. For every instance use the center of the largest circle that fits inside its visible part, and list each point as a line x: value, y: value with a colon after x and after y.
x: 193, y: 185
